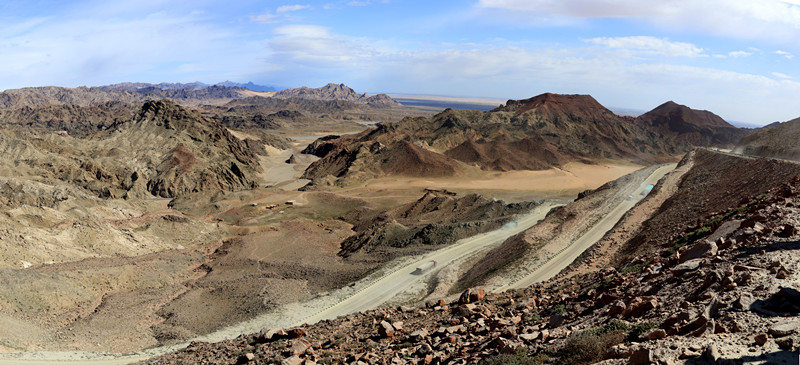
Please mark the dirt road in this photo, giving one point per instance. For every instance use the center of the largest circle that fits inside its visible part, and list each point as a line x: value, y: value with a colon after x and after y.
x: 399, y: 280
x: 569, y: 253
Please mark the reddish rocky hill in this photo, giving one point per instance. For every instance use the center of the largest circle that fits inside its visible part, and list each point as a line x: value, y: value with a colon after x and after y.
x: 701, y: 128
x: 538, y: 133
x: 776, y: 140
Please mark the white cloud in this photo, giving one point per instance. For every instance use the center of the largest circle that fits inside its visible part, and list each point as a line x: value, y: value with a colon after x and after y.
x: 358, y: 3
x: 650, y: 45
x: 772, y: 20
x: 781, y: 75
x: 784, y: 54
x: 738, y: 54
x: 285, y: 8
x: 266, y: 18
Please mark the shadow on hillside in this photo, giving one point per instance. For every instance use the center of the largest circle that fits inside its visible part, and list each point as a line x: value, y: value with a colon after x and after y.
x: 778, y: 357
x: 743, y: 252
x: 786, y: 302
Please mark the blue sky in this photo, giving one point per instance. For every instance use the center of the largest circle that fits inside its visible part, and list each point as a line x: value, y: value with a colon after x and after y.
x: 737, y: 58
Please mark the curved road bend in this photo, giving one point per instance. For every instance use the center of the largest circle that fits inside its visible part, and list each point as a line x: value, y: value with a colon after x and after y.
x: 399, y: 280
x: 568, y: 254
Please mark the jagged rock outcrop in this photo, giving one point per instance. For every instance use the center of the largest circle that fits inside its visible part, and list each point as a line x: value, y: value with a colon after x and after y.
x: 179, y: 151
x: 776, y: 140
x: 336, y: 92
x: 700, y: 128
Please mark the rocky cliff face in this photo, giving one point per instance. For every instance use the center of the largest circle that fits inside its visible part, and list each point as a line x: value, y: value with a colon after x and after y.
x: 775, y: 140
x: 538, y: 133
x: 697, y: 127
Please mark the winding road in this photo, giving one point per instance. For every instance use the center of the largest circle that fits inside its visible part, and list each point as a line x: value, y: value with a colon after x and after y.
x: 571, y: 252
x: 394, y: 283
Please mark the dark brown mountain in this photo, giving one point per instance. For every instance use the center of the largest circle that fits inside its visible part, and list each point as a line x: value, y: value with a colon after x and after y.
x: 182, y: 151
x: 778, y: 140
x: 699, y: 127
x: 537, y: 133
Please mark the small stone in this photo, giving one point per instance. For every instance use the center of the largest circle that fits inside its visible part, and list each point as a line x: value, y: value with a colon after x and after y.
x: 785, y: 343
x: 642, y: 356
x: 385, y: 330
x: 761, y: 339
x: 292, y: 360
x: 656, y: 334
x: 744, y: 302
x: 617, y: 308
x: 712, y: 353
x: 419, y: 334
x: 296, y: 332
x: 398, y: 325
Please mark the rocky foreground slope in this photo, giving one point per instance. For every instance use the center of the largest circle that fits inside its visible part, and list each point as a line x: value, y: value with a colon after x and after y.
x: 533, y: 134
x: 724, y: 290
x: 775, y: 140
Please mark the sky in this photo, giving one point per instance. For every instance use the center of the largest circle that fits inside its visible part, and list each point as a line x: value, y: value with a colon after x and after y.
x: 737, y: 58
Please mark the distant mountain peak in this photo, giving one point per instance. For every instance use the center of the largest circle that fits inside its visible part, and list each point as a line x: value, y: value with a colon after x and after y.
x: 555, y: 101
x: 332, y: 91
x: 698, y: 127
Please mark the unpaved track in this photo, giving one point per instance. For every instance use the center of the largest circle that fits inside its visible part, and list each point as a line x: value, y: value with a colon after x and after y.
x: 401, y: 279
x: 571, y: 252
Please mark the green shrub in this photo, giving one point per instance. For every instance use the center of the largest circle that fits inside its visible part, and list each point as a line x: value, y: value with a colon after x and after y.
x: 520, y: 357
x: 641, y: 329
x: 589, y: 347
x: 558, y: 309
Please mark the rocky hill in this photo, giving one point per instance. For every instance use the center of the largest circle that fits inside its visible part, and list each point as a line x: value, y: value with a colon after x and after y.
x: 697, y: 127
x: 75, y: 120
x: 336, y: 92
x: 175, y: 151
x: 126, y: 93
x: 722, y: 291
x: 776, y: 140
x: 437, y: 218
x: 538, y: 133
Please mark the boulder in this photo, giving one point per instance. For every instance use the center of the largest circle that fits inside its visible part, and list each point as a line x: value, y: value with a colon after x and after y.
x: 639, y: 305
x: 783, y: 329
x: 704, y: 248
x: 686, y: 266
